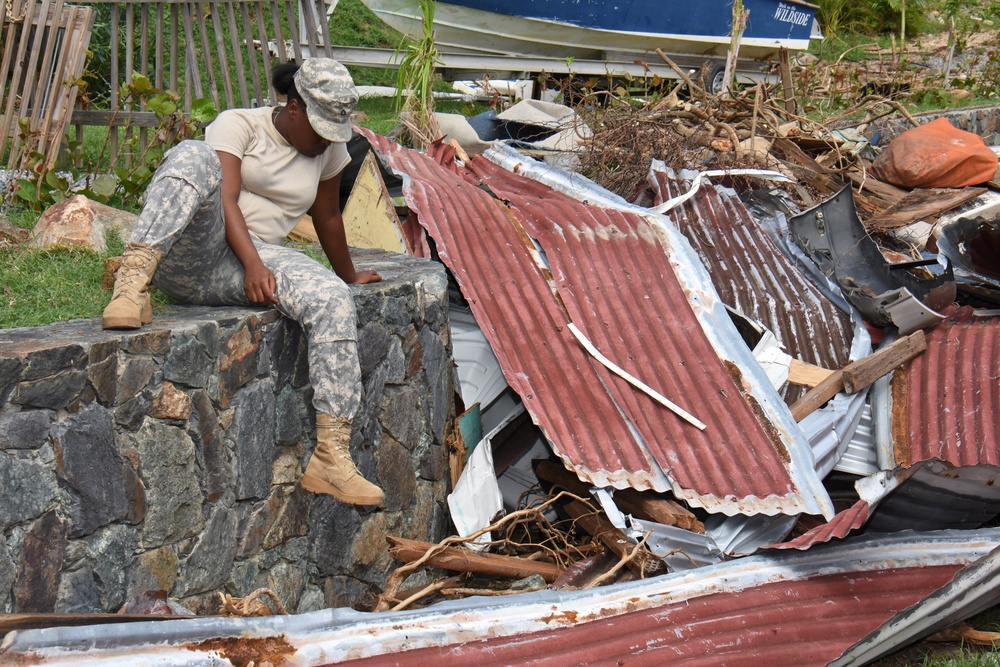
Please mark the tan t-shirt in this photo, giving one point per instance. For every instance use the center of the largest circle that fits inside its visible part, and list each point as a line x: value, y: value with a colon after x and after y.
x: 278, y: 183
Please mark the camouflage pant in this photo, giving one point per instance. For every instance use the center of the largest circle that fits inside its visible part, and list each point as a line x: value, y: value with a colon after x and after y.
x: 182, y: 217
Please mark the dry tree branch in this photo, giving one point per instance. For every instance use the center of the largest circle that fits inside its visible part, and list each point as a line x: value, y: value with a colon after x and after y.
x: 396, y: 578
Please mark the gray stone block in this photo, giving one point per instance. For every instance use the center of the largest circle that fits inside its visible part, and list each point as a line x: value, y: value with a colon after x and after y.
x: 252, y: 434
x: 90, y: 464
x: 8, y: 573
x: 168, y: 470
x: 54, y: 392
x: 188, y: 362
x: 437, y: 362
x: 29, y: 489
x: 51, y: 357
x: 373, y: 345
x: 288, y: 413
x: 396, y: 475
x: 134, y: 376
x: 27, y: 429
x: 42, y: 552
x: 403, y: 414
x: 207, y: 568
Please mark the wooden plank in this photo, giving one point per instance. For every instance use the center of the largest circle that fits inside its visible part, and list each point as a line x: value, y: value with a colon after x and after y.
x: 251, y: 55
x: 865, y: 372
x: 12, y: 113
x: 279, y: 37
x: 206, y: 54
x: 818, y: 396
x: 111, y: 118
x: 192, y: 76
x: 293, y: 28
x: 859, y: 374
x: 890, y: 193
x: 272, y: 95
x: 115, y: 28
x: 234, y: 43
x: 807, y: 375
x: 642, y: 504
x: 460, y: 559
x: 643, y: 564
x: 921, y: 204
x: 220, y: 49
x: 144, y: 67
x: 787, y: 89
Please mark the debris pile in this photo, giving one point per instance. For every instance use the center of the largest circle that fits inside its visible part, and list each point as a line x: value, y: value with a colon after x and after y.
x: 743, y: 412
x: 772, y: 365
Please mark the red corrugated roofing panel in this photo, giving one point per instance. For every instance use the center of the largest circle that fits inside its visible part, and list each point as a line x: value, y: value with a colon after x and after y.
x: 524, y: 323
x: 806, y: 622
x: 946, y: 403
x: 614, y: 277
x: 754, y: 277
x: 615, y: 281
x: 838, y: 527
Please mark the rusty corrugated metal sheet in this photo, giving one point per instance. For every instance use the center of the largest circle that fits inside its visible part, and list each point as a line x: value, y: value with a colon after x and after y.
x: 946, y: 403
x: 840, y: 526
x: 756, y: 627
x: 778, y: 608
x: 754, y: 277
x: 615, y: 280
x: 613, y: 277
x: 932, y: 495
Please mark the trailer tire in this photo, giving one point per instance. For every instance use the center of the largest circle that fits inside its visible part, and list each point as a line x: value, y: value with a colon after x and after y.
x: 714, y: 77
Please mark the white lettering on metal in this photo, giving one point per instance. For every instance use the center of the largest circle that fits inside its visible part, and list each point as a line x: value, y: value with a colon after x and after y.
x: 788, y: 14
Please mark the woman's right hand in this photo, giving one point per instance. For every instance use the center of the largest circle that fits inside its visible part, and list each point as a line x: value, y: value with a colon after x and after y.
x: 259, y: 284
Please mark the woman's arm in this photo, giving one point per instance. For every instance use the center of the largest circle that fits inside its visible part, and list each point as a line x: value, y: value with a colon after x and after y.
x: 258, y: 281
x: 330, y: 228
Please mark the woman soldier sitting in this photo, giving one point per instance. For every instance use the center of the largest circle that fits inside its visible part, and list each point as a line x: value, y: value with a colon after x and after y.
x: 211, y: 229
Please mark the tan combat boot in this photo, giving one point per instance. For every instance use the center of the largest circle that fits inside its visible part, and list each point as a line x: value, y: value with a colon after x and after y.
x: 331, y: 469
x: 130, y: 307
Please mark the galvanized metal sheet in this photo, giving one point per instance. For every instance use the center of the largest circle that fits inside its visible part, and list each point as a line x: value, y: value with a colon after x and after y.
x: 778, y: 608
x: 753, y: 276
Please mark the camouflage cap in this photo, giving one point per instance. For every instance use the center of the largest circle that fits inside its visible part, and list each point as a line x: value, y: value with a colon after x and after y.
x: 330, y: 96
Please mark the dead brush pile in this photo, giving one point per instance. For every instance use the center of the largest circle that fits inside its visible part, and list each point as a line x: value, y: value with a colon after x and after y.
x: 762, y: 127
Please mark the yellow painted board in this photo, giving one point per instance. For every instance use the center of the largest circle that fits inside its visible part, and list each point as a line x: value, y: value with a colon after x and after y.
x: 370, y: 218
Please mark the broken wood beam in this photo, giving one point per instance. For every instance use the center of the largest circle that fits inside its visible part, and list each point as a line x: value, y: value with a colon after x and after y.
x: 458, y: 559
x: 859, y: 374
x: 643, y: 564
x: 921, y: 204
x: 807, y: 375
x: 638, y: 503
x: 864, y: 372
x: 787, y: 89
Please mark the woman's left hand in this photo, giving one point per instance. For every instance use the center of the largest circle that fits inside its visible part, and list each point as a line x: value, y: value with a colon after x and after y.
x: 365, y: 277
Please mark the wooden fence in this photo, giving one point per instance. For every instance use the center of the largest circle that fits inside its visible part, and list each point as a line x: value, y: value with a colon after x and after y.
x: 44, y: 45
x: 222, y: 50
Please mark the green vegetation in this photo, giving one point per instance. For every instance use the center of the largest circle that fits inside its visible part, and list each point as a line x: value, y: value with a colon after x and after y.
x: 44, y: 286
x: 353, y: 24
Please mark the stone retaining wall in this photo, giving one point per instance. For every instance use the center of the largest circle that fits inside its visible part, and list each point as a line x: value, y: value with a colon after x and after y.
x: 168, y: 459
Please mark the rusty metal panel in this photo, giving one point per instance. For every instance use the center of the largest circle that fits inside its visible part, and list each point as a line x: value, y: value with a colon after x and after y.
x: 840, y: 526
x: 754, y: 277
x: 946, y: 403
x: 614, y: 275
x: 641, y: 308
x: 778, y: 608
